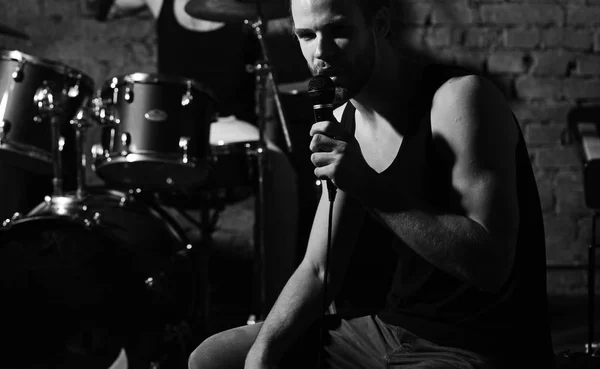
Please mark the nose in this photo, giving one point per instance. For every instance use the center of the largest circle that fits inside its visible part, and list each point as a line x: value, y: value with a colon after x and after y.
x: 325, y: 47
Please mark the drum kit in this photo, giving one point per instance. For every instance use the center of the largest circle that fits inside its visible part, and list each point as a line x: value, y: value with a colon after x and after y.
x: 84, y: 249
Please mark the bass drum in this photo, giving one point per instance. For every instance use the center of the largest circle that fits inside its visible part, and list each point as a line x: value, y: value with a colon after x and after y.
x: 82, y: 278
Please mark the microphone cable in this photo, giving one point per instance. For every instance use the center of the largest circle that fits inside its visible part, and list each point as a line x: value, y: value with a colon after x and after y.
x: 321, y: 92
x: 331, y: 190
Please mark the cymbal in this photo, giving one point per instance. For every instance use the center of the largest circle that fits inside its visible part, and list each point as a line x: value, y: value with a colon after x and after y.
x: 236, y: 10
x: 12, y: 32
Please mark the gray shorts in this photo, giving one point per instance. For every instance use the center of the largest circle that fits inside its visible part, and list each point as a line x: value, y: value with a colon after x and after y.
x: 359, y: 343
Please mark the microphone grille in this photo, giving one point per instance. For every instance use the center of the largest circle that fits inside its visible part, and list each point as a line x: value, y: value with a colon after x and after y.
x: 321, y: 90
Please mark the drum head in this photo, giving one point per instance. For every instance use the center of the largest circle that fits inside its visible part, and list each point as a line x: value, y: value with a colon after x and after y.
x: 68, y: 294
x: 74, y: 295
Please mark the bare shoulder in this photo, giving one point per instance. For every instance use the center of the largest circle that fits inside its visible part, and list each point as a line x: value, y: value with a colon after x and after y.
x: 472, y: 104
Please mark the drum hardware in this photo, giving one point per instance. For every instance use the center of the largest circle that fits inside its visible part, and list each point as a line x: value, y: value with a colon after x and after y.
x: 254, y: 14
x: 264, y: 75
x: 188, y: 96
x: 16, y: 216
x: 51, y: 112
x: 183, y: 145
x: 80, y: 124
x: 5, y: 127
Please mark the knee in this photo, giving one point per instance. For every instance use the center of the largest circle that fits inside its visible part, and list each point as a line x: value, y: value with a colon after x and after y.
x: 205, y: 355
x: 224, y: 350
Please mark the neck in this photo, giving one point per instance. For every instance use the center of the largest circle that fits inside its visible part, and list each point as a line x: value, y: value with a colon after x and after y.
x: 392, y: 81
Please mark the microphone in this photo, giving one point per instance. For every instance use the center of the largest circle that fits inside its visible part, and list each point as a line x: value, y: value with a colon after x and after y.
x: 321, y: 93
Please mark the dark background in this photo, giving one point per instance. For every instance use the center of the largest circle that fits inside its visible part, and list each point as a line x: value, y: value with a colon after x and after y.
x: 545, y: 54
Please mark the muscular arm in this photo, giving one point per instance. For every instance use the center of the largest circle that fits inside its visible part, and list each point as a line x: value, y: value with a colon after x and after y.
x: 301, y: 301
x: 473, y: 123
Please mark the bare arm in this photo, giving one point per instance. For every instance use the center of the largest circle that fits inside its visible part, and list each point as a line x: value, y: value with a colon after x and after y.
x: 301, y: 301
x: 471, y: 119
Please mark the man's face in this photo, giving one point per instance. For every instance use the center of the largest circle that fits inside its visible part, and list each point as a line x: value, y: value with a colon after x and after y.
x: 335, y: 41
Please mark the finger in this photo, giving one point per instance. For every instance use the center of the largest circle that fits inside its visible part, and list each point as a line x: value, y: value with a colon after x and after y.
x: 321, y: 159
x: 324, y: 173
x: 322, y: 143
x: 331, y: 129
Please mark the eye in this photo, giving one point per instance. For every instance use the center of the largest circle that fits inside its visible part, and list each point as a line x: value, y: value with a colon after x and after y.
x: 305, y: 35
x: 342, y: 31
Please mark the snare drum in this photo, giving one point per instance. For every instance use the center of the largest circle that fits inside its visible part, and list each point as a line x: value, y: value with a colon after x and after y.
x: 81, y: 275
x: 234, y: 144
x: 159, y: 139
x: 26, y: 140
x: 233, y: 166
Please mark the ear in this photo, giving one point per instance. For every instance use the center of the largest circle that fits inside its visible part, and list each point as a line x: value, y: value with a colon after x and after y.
x: 381, y: 24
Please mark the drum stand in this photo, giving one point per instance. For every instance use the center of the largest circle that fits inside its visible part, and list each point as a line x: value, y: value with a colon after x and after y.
x: 264, y: 75
x: 51, y: 110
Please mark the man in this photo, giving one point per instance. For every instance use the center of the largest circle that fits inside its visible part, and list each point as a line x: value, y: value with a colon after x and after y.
x: 436, y: 156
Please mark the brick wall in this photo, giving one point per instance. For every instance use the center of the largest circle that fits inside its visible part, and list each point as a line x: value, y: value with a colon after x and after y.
x: 545, y: 55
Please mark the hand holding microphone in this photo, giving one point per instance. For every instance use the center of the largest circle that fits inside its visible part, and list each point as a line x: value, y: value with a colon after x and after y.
x: 321, y: 92
x: 336, y: 153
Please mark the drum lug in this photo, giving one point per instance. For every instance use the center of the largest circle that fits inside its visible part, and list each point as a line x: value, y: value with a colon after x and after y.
x: 17, y: 74
x: 125, y: 142
x: 187, y: 98
x: 74, y: 90
x: 149, y: 282
x: 125, y: 199
x: 46, y: 102
x: 97, y: 218
x: 129, y: 94
x: 184, y: 146
x: 97, y: 151
x: 5, y: 127
x: 16, y: 216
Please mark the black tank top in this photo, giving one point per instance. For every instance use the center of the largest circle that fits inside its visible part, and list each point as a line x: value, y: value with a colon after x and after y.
x: 217, y: 59
x: 512, y: 323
